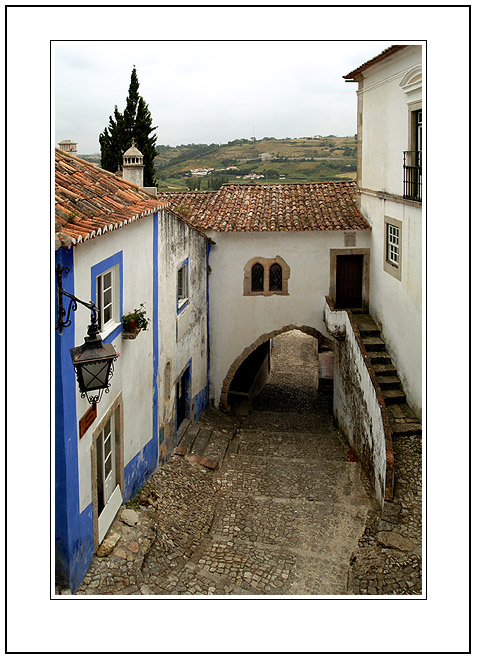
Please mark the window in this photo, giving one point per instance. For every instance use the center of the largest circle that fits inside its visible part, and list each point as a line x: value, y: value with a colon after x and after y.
x: 266, y: 277
x: 183, y: 285
x: 106, y: 293
x: 257, y: 277
x: 105, y: 298
x: 275, y: 277
x: 392, y: 244
x: 413, y: 158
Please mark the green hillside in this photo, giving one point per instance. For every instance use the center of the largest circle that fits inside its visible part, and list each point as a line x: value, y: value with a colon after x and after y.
x: 287, y: 160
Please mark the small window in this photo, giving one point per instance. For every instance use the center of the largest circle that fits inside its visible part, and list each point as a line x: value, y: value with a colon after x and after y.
x: 275, y: 277
x: 392, y: 250
x: 106, y: 299
x: 182, y: 286
x: 257, y: 277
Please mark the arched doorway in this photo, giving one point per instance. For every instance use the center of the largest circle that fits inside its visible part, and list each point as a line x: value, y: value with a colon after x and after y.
x: 254, y: 349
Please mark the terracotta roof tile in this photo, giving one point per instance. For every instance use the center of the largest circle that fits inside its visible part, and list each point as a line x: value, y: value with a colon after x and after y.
x: 90, y: 201
x: 328, y: 206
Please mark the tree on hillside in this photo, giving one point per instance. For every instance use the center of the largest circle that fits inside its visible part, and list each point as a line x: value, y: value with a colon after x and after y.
x: 135, y: 122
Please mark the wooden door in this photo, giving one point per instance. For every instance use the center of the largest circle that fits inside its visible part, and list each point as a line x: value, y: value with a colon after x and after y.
x: 349, y: 281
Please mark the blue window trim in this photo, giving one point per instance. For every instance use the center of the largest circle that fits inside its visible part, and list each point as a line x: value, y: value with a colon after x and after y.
x: 101, y: 267
x: 184, y: 305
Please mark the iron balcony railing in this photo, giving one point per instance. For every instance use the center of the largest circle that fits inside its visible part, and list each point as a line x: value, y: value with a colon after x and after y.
x: 413, y: 175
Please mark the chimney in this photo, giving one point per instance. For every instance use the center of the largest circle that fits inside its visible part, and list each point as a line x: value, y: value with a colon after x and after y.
x: 69, y: 146
x: 133, y: 165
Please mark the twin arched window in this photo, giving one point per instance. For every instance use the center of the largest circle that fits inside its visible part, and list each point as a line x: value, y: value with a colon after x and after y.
x: 266, y: 276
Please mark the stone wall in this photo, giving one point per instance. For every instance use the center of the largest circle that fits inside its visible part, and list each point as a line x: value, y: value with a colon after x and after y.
x: 359, y: 405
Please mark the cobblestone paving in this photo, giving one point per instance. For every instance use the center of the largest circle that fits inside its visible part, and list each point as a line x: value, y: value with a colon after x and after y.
x: 286, y: 513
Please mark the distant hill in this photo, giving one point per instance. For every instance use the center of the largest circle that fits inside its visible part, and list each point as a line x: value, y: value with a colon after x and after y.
x: 270, y: 160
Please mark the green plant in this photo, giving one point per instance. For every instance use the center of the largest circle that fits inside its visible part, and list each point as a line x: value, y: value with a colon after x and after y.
x: 136, y: 320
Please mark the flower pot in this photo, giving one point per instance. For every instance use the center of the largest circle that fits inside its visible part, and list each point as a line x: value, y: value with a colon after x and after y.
x: 128, y: 334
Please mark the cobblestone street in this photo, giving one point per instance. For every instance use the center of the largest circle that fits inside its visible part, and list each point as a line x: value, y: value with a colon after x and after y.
x: 287, y: 512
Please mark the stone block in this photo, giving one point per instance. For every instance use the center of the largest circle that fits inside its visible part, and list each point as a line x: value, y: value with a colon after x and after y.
x: 108, y: 544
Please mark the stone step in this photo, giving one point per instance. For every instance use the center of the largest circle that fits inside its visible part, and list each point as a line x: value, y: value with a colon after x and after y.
x: 322, y: 446
x: 216, y: 448
x: 188, y: 438
x: 201, y: 441
x: 278, y: 477
x: 366, y: 325
x: 394, y: 396
x: 389, y: 382
x: 379, y: 357
x: 406, y: 428
x: 374, y: 344
x: 384, y: 369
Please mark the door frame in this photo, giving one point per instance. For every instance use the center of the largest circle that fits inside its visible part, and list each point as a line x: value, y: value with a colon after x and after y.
x: 115, y: 409
x: 366, y: 252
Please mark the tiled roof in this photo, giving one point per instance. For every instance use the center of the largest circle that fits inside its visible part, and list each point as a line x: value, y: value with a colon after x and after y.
x: 283, y: 207
x: 386, y: 53
x: 90, y: 201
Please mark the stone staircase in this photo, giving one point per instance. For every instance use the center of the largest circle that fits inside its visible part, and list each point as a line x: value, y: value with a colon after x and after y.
x: 201, y: 442
x: 402, y: 419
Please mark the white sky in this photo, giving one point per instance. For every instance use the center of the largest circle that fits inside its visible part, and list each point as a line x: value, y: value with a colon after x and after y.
x: 210, y: 91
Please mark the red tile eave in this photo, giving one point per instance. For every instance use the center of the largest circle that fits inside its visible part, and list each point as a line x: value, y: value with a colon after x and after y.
x: 90, y: 201
x: 284, y: 207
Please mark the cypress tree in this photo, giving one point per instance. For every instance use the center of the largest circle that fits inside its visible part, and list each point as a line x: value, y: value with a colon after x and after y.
x: 135, y: 122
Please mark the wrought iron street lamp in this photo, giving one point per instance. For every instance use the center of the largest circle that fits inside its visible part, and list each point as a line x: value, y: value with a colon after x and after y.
x: 93, y: 361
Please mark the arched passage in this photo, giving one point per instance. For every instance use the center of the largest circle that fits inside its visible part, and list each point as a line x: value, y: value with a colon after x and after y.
x: 249, y: 350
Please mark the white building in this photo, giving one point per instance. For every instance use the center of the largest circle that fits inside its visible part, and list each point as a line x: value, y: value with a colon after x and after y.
x: 390, y: 107
x: 118, y: 247
x: 296, y: 233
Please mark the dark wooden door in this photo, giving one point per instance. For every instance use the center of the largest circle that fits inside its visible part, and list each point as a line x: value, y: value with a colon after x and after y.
x: 349, y: 280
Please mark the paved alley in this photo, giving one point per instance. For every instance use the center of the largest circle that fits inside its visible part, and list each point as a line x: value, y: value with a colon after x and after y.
x: 288, y: 510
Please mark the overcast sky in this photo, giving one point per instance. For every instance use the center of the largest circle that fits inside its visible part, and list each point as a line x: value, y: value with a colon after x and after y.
x: 210, y: 91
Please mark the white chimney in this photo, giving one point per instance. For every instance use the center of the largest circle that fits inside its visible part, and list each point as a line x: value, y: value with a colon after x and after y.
x: 69, y: 146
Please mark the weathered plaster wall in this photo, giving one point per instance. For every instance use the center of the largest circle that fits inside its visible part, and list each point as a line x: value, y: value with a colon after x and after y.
x: 183, y: 334
x: 357, y: 408
x: 236, y: 321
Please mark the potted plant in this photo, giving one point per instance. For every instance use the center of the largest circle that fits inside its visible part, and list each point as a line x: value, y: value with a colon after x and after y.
x: 134, y: 322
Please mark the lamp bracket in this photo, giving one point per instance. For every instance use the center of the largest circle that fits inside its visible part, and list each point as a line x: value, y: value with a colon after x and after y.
x: 73, y: 303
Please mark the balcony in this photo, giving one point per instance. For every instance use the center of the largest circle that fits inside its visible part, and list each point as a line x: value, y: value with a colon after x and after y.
x: 413, y: 175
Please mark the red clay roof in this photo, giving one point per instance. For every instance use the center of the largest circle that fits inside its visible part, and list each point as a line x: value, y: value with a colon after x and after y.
x: 282, y: 207
x: 386, y: 53
x: 90, y: 201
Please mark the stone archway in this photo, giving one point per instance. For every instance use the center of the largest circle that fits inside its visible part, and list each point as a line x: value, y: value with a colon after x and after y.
x: 308, y: 330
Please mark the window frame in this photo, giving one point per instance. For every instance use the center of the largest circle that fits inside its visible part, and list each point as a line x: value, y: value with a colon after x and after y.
x: 393, y: 248
x: 266, y: 264
x: 114, y: 265
x: 184, y: 300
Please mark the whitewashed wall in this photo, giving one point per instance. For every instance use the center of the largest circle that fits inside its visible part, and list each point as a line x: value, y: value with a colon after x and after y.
x: 133, y: 371
x: 395, y: 304
x: 385, y: 127
x: 236, y: 321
